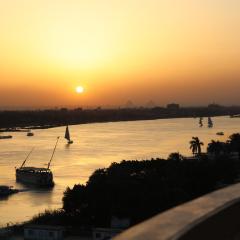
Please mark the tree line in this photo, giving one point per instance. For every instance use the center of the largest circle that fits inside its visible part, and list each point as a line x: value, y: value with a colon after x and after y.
x: 64, y: 116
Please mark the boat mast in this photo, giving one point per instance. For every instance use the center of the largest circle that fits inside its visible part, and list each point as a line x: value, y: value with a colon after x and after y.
x: 27, y: 158
x: 53, y: 153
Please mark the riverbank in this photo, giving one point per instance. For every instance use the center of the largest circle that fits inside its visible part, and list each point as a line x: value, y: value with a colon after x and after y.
x: 21, y: 121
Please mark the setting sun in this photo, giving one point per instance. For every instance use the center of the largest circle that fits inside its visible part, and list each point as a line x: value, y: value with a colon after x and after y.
x: 134, y: 50
x: 79, y: 89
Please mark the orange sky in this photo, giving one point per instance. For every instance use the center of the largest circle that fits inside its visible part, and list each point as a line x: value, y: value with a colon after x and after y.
x: 185, y: 51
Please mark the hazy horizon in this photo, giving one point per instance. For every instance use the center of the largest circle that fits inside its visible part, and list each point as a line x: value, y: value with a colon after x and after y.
x: 122, y: 106
x: 182, y: 51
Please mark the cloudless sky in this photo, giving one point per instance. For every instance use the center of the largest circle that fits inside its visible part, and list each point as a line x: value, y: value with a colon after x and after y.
x: 185, y: 51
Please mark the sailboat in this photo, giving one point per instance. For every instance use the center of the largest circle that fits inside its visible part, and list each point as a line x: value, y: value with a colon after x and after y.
x: 41, y: 177
x: 201, y: 122
x: 67, y: 136
x: 210, y: 122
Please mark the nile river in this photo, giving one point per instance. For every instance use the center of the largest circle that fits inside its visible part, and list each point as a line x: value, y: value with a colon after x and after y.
x: 95, y: 146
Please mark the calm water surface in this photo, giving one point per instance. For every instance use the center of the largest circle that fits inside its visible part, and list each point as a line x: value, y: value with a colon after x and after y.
x: 95, y: 146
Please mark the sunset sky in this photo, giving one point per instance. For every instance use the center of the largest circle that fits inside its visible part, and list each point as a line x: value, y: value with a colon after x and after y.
x: 185, y: 51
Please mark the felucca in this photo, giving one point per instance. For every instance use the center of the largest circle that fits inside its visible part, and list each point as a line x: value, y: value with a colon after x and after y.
x: 41, y: 177
x: 67, y: 136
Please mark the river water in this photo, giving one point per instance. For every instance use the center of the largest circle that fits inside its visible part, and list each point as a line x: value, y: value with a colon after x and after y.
x: 95, y: 146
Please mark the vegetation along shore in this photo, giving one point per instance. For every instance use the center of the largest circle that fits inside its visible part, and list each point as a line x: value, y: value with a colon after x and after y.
x: 12, y: 120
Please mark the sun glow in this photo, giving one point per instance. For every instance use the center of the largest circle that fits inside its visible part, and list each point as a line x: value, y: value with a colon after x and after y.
x: 106, y: 52
x: 79, y: 89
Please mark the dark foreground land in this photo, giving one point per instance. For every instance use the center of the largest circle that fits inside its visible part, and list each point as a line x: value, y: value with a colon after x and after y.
x: 60, y: 117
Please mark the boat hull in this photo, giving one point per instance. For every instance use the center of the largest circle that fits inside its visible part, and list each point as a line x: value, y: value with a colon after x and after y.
x: 5, y: 137
x: 40, y: 179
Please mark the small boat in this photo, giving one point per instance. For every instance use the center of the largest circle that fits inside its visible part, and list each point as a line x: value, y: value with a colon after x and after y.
x: 30, y: 134
x: 6, y: 137
x: 67, y: 136
x: 7, y: 190
x: 235, y: 116
x: 41, y: 177
x: 220, y: 133
x: 201, y: 122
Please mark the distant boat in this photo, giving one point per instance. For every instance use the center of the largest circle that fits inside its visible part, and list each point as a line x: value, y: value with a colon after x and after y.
x: 5, y: 137
x: 235, y: 116
x: 6, y: 190
x: 30, y: 134
x: 201, y: 122
x: 210, y: 122
x: 67, y: 136
x: 41, y: 177
x: 220, y: 133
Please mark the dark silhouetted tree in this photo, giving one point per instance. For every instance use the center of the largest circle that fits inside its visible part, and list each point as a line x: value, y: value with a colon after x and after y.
x: 234, y: 142
x: 217, y: 147
x: 195, y: 146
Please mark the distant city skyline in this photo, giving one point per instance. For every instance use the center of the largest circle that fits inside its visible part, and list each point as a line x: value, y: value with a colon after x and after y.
x: 182, y: 51
x: 124, y: 105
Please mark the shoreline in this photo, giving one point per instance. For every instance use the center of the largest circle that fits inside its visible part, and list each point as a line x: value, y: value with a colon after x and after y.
x: 23, y: 121
x: 27, y: 128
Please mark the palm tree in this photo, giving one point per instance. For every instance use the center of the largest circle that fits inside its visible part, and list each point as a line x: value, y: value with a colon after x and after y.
x: 195, y: 145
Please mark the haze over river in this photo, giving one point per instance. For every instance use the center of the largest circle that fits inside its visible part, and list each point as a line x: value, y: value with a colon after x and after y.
x: 95, y: 146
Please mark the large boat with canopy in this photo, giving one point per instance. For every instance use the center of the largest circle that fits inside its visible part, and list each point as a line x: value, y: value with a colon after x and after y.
x: 41, y: 177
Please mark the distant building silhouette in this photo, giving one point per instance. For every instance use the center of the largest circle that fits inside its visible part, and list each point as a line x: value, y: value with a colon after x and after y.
x: 42, y: 232
x: 64, y: 109
x: 117, y: 226
x: 214, y: 106
x: 78, y: 109
x: 173, y: 106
